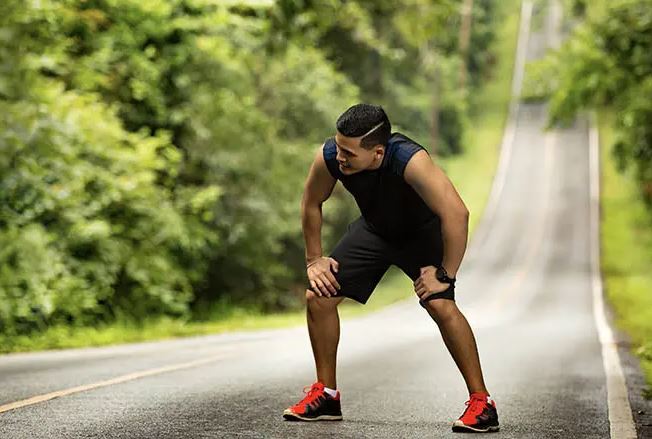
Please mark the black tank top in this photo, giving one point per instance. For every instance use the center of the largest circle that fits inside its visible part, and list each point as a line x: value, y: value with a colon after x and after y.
x: 390, y: 206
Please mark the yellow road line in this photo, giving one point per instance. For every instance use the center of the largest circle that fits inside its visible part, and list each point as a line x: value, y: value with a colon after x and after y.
x: 117, y: 380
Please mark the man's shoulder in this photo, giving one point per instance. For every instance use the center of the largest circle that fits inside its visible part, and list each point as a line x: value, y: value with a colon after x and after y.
x: 330, y: 157
x: 400, y: 149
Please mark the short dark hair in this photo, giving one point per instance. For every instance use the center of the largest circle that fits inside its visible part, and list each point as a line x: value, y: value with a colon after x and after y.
x: 367, y: 119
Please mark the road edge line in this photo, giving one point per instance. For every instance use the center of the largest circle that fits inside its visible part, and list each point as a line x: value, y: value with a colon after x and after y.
x: 621, y: 421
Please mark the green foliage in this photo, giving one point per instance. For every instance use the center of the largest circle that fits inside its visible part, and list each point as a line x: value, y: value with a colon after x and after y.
x: 302, y: 89
x: 607, y: 63
x: 89, y: 221
x: 487, y: 17
x: 576, y: 8
x: 394, y: 51
x: 87, y: 229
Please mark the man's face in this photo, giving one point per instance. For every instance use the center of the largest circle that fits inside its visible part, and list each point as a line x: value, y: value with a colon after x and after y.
x: 353, y: 158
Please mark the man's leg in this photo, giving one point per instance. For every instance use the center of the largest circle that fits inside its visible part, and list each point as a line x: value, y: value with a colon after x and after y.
x: 459, y: 340
x: 324, y: 330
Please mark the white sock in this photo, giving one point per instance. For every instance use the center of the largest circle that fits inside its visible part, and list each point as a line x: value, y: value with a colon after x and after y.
x: 331, y: 392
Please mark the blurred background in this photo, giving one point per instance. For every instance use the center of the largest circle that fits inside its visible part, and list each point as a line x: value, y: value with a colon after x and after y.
x: 153, y: 152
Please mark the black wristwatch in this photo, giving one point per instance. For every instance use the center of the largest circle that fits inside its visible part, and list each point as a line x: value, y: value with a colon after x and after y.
x: 442, y: 276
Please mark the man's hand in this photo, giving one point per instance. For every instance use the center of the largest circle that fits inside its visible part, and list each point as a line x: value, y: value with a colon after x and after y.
x: 321, y: 278
x: 427, y: 284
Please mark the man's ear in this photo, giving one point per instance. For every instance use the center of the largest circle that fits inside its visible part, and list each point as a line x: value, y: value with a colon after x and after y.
x: 379, y: 151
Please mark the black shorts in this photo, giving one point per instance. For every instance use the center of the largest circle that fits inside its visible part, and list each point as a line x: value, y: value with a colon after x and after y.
x: 365, y: 256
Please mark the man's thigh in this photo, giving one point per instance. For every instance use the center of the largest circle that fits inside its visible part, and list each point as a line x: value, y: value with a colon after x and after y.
x: 423, y: 249
x: 363, y: 259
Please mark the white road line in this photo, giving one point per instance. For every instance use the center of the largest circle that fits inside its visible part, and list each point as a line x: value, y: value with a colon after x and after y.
x: 510, y: 129
x: 620, y: 412
x: 117, y: 380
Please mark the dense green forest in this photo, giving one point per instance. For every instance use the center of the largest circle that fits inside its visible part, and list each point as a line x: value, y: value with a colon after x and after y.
x: 154, y: 151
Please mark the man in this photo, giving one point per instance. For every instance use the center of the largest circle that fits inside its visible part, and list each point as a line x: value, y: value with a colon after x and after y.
x: 412, y: 217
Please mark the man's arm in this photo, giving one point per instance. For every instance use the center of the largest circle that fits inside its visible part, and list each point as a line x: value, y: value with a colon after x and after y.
x: 317, y: 189
x: 430, y: 182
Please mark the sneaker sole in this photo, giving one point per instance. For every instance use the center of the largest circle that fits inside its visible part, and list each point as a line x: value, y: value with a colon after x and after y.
x: 459, y: 427
x: 289, y: 416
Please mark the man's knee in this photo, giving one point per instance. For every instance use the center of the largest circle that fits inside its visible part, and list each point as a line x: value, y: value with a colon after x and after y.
x: 317, y: 303
x: 310, y: 297
x: 441, y: 309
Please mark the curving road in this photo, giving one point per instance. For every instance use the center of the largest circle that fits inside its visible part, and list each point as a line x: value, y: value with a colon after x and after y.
x: 526, y: 287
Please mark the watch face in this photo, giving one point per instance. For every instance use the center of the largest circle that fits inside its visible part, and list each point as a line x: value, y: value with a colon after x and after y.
x: 441, y: 274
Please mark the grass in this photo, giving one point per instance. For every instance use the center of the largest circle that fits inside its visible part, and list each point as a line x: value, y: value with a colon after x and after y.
x: 626, y: 236
x: 472, y: 174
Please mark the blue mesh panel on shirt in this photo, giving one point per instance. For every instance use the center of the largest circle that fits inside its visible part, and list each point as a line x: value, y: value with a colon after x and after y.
x: 401, y: 150
x: 330, y: 157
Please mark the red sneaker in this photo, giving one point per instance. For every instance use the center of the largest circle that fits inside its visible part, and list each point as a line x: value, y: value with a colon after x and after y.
x: 480, y: 415
x: 317, y: 405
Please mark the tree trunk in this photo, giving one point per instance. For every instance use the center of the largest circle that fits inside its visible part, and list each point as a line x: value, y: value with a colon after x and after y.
x: 465, y: 40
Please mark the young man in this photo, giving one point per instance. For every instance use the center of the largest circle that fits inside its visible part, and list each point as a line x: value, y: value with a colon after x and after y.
x: 412, y: 217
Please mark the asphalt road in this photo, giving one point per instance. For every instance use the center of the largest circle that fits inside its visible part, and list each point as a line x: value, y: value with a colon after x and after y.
x: 525, y: 286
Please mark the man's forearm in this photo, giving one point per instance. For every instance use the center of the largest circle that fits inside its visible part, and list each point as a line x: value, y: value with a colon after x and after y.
x: 455, y: 230
x: 311, y: 219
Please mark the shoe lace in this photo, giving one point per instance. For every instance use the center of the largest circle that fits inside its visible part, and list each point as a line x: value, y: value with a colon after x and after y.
x: 312, y: 393
x: 475, y: 405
